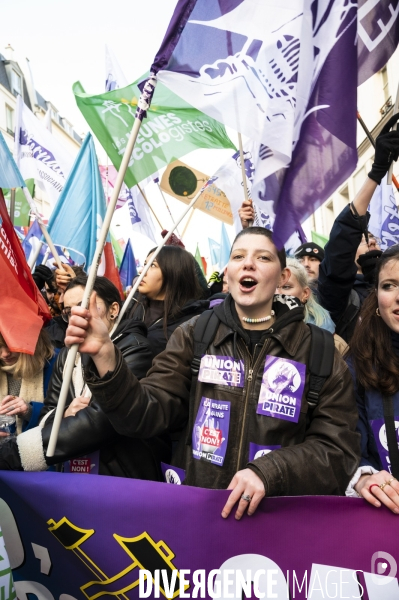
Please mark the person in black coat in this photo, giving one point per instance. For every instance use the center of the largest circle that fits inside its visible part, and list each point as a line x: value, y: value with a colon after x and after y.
x: 85, y: 428
x: 169, y: 295
x: 351, y: 254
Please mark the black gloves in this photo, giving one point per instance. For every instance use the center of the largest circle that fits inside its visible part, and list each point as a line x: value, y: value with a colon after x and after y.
x: 386, y: 150
x: 42, y: 274
x: 368, y: 262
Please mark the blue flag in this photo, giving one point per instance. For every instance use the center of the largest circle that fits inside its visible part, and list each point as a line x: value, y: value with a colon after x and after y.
x: 225, y: 246
x: 79, y: 212
x: 214, y: 248
x: 128, y: 270
x: 10, y: 177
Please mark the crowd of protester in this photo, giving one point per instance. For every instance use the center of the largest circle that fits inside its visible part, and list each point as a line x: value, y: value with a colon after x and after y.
x: 264, y: 382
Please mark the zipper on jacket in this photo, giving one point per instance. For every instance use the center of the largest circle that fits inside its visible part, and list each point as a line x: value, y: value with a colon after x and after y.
x: 249, y: 378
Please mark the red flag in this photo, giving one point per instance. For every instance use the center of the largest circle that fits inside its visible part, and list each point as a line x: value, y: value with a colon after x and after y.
x: 111, y: 271
x: 22, y: 308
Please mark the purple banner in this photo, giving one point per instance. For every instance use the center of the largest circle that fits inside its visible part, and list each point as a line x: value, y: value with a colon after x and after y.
x: 75, y: 537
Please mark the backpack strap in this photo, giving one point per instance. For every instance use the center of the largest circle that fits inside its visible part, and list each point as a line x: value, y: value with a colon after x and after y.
x: 321, y: 360
x: 389, y: 419
x: 351, y: 311
x: 204, y: 334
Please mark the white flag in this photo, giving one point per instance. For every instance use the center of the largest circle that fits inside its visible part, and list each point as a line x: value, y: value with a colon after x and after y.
x: 384, y: 216
x: 39, y: 154
x: 114, y: 76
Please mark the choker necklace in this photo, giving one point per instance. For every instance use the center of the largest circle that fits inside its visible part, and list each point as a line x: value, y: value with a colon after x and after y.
x: 262, y: 320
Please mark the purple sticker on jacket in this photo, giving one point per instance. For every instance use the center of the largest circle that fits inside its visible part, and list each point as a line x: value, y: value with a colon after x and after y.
x: 380, y: 436
x: 84, y: 464
x: 256, y: 451
x: 282, y: 387
x: 211, y: 431
x: 173, y: 474
x: 224, y: 370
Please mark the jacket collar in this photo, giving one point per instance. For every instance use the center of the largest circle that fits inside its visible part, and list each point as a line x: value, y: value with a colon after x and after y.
x: 288, y: 311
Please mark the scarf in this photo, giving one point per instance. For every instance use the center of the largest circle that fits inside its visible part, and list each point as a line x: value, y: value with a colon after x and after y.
x: 78, y: 382
x: 31, y: 389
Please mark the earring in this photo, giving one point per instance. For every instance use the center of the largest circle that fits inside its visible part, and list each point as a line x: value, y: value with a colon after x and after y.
x: 377, y: 312
x: 112, y: 317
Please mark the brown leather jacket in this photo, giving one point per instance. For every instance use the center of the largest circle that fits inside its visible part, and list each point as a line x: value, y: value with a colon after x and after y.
x: 318, y: 454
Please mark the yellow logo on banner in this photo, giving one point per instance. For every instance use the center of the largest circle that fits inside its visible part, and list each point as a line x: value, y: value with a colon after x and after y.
x: 143, y: 551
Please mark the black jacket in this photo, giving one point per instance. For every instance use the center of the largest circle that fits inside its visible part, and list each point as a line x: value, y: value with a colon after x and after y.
x: 317, y: 455
x: 156, y: 334
x: 130, y: 337
x: 338, y: 277
x: 56, y: 329
x: 90, y: 429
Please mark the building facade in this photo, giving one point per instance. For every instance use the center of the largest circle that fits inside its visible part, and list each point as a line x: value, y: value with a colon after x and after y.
x: 13, y: 82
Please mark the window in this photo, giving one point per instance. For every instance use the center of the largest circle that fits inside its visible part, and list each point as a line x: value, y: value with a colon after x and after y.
x: 9, y: 120
x: 16, y: 83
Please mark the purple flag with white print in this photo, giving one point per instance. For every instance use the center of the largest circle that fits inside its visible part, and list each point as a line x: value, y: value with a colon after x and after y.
x: 378, y: 35
x: 229, y: 179
x: 279, y: 74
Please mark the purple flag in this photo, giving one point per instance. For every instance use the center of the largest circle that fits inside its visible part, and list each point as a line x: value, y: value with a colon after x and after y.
x: 285, y: 76
x: 378, y: 35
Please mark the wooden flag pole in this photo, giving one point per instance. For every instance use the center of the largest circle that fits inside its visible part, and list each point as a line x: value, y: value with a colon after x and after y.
x: 188, y: 223
x: 394, y: 128
x: 143, y: 105
x: 167, y: 206
x: 35, y: 255
x: 372, y: 142
x: 42, y: 226
x: 244, y: 176
x: 148, y: 265
x: 150, y: 207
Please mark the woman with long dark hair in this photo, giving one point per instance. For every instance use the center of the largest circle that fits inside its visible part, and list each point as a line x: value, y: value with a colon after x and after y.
x: 168, y: 295
x: 374, y: 361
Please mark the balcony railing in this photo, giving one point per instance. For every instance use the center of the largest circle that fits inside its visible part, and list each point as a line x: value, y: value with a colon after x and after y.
x: 385, y: 108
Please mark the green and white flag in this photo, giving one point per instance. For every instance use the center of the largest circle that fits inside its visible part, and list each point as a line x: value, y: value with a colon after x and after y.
x: 172, y: 128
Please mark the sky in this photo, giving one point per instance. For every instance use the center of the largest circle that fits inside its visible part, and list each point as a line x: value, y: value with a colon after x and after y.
x: 64, y: 41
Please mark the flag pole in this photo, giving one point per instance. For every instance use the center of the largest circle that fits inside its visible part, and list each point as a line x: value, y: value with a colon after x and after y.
x: 42, y: 226
x: 372, y: 142
x: 188, y: 223
x: 35, y: 255
x: 150, y: 207
x: 244, y: 176
x: 394, y: 128
x: 167, y: 206
x: 143, y: 105
x: 155, y: 254
x: 46, y: 255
